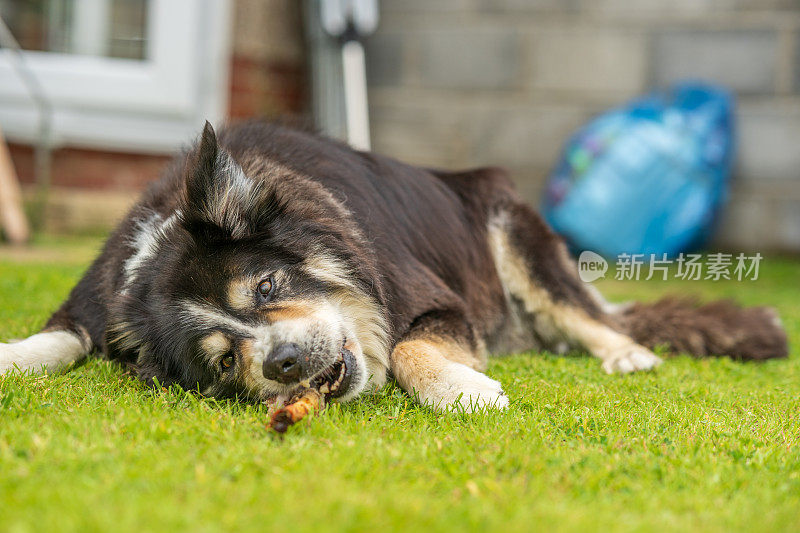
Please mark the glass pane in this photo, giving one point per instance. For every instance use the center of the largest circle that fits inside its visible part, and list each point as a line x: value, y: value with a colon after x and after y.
x: 110, y: 28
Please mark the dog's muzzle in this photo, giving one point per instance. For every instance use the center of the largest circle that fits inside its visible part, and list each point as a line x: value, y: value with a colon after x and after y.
x: 285, y: 364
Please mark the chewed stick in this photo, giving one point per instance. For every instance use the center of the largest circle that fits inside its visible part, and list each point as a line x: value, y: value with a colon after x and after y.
x: 309, y: 401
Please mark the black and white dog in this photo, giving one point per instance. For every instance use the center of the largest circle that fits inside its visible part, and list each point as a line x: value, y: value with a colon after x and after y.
x: 262, y: 254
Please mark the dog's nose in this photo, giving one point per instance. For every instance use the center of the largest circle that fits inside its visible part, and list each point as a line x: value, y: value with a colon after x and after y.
x: 284, y: 364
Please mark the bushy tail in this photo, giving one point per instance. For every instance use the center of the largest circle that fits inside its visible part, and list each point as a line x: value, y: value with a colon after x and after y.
x: 717, y: 328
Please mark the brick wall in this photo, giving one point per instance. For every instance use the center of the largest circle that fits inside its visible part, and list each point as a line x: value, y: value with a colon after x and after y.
x: 473, y: 82
x: 91, y: 169
x: 90, y: 190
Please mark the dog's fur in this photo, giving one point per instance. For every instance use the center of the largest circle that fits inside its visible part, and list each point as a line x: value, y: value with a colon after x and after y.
x: 419, y: 274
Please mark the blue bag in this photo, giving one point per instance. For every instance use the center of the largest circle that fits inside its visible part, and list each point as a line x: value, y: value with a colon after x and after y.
x: 647, y: 178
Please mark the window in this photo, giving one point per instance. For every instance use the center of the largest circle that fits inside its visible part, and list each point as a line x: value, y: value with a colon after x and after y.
x: 138, y: 75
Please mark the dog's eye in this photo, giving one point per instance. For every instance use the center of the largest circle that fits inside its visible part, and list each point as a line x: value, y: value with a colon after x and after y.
x: 226, y: 362
x: 265, y: 288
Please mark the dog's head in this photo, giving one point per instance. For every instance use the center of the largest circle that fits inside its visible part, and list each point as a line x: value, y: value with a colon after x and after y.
x: 256, y: 285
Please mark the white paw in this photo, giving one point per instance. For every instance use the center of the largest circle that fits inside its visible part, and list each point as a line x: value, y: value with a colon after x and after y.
x: 459, y: 388
x: 50, y: 350
x: 9, y: 358
x: 631, y: 359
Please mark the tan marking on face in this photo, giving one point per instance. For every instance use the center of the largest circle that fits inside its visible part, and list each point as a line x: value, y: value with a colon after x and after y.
x: 241, y: 291
x: 240, y: 294
x: 290, y: 311
x: 365, y: 321
x: 246, y: 349
x: 326, y: 267
x: 215, y: 344
x: 250, y: 376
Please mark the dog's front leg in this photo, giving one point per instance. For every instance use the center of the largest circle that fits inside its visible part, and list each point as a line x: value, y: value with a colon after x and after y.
x: 440, y: 372
x: 49, y: 350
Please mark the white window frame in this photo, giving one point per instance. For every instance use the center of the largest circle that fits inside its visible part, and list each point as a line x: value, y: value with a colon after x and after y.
x: 152, y: 105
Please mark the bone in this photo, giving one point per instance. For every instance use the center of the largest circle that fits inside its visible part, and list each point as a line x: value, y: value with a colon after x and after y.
x: 309, y: 401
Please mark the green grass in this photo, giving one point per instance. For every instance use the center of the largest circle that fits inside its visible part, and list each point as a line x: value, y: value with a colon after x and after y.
x: 704, y: 445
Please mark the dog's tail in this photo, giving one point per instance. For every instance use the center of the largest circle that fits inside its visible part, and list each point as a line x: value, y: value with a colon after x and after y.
x: 717, y: 328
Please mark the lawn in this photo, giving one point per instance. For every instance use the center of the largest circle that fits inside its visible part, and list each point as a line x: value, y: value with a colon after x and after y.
x: 704, y: 445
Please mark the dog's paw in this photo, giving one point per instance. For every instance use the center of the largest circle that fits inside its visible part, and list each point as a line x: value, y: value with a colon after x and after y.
x: 631, y: 359
x: 9, y: 358
x: 46, y: 351
x: 458, y: 388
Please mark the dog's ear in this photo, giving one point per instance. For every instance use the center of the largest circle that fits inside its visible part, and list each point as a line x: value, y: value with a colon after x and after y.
x: 219, y: 197
x: 202, y: 168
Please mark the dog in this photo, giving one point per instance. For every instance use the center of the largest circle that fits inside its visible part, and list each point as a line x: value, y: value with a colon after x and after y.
x: 269, y: 259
